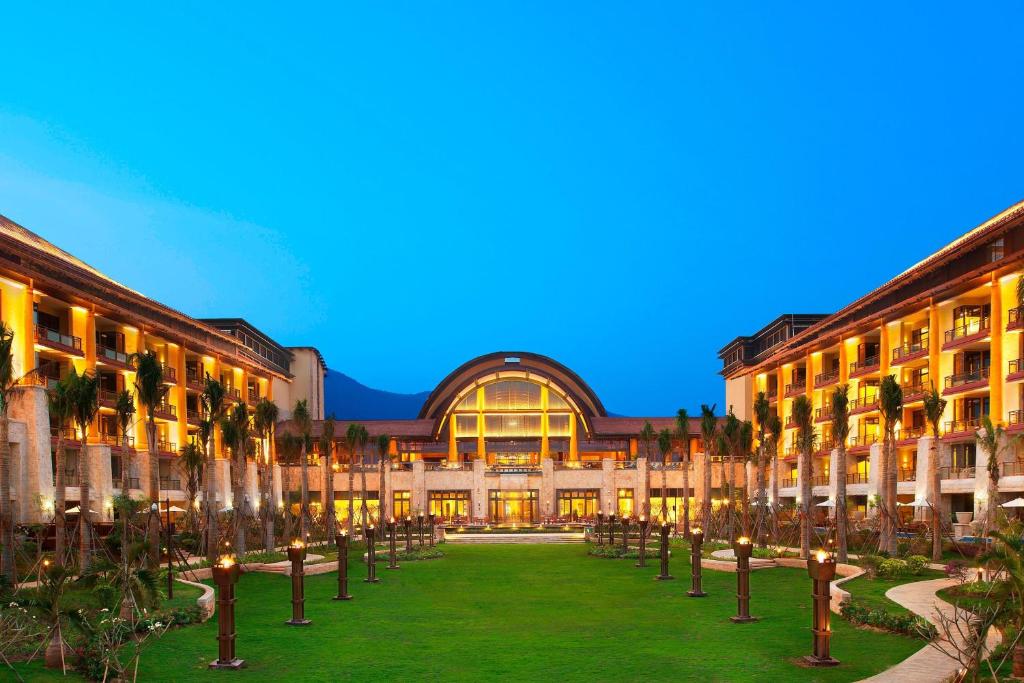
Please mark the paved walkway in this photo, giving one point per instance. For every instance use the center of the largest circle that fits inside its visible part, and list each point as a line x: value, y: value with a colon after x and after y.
x: 927, y: 664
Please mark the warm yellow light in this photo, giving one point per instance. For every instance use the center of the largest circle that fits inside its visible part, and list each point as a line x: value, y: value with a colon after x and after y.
x: 696, y: 530
x: 226, y: 561
x: 297, y: 543
x: 821, y: 556
x: 743, y: 540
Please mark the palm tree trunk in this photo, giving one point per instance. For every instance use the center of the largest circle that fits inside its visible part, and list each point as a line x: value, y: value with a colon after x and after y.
x: 775, y: 492
x: 362, y: 480
x: 304, y: 493
x: 6, y: 509
x: 267, y: 491
x: 761, y: 485
x: 84, y: 539
x: 351, y: 498
x: 664, y: 488
x: 154, y: 490
x: 805, y: 504
x: 746, y: 500
x: 891, y: 479
x: 125, y: 489
x: 707, y: 494
x: 332, y: 523
x: 729, y: 468
x: 382, y: 508
x: 883, y: 494
x: 936, y: 498
x: 209, y: 500
x: 61, y: 495
x: 840, y: 473
x: 238, y: 494
x: 686, y: 496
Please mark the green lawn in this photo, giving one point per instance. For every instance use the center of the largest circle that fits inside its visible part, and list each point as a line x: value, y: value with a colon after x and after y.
x: 528, y: 612
x: 871, y: 592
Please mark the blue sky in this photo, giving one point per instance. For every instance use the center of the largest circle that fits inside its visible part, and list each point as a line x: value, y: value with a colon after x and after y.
x: 625, y: 187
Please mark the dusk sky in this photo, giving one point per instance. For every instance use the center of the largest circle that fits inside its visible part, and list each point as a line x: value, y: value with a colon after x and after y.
x: 622, y: 186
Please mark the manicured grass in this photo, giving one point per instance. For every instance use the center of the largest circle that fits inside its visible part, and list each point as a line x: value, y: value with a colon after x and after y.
x: 871, y: 592
x: 523, y: 612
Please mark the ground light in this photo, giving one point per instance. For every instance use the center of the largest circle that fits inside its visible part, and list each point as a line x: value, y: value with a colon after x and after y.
x: 743, y: 550
x: 371, y: 556
x: 297, y: 554
x: 696, y: 541
x: 342, y: 541
x: 663, y: 551
x: 408, y: 534
x: 642, y: 561
x: 822, y: 569
x: 225, y: 576
x: 600, y: 529
x: 392, y: 555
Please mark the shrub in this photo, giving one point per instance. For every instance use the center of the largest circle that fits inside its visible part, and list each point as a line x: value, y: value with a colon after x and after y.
x: 615, y: 552
x: 956, y: 569
x: 916, y: 564
x: 424, y: 553
x: 907, y: 624
x: 765, y: 553
x: 893, y: 568
x: 871, y: 563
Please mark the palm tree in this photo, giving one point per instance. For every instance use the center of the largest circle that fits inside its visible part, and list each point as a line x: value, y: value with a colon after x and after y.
x: 151, y: 390
x: 890, y: 403
x: 351, y: 442
x: 363, y: 437
x: 326, y: 451
x: 840, y: 433
x: 84, y: 395
x: 1009, y: 553
x: 304, y: 423
x: 773, y: 426
x: 708, y: 429
x: 124, y: 411
x: 263, y: 421
x: 683, y: 434
x: 729, y: 449
x: 8, y: 383
x: 59, y: 403
x: 384, y: 462
x: 192, y: 460
x: 665, y: 446
x: 934, y: 407
x: 213, y: 411
x: 646, y: 437
x: 803, y: 417
x: 240, y: 430
x: 762, y: 409
x: 746, y: 444
x: 289, y: 449
x: 990, y: 440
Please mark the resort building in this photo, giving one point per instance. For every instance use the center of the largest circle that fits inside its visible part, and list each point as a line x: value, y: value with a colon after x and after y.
x: 953, y: 322
x: 509, y: 437
x: 65, y: 314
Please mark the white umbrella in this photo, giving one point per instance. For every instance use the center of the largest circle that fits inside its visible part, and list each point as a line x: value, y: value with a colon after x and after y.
x: 173, y: 508
x: 1015, y: 503
x: 827, y: 504
x: 75, y: 510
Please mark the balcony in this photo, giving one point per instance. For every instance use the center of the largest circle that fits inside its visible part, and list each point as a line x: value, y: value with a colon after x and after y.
x: 232, y: 395
x: 970, y: 380
x: 1015, y: 370
x: 1011, y: 469
x: 194, y: 378
x: 826, y: 378
x: 525, y: 469
x: 1015, y: 421
x: 252, y: 397
x: 113, y: 357
x: 967, y: 333
x: 1015, y: 318
x: 106, y: 398
x: 820, y: 480
x: 823, y: 414
x: 449, y: 467
x: 956, y: 473
x: 169, y: 484
x: 791, y: 452
x: 962, y: 427
x: 906, y: 474
x: 862, y: 442
x: 53, y: 339
x: 193, y: 417
x: 115, y: 440
x: 790, y: 422
x: 166, y: 447
x: 906, y: 353
x: 68, y: 433
x: 856, y: 478
x: 914, y: 392
x: 909, y: 435
x: 787, y: 483
x: 863, y: 404
x: 796, y: 389
x: 859, y: 368
x: 625, y: 464
x: 166, y: 411
x: 170, y: 373
x: 824, y: 446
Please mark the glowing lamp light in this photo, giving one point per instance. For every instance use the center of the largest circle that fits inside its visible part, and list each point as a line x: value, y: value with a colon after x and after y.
x: 297, y: 543
x: 696, y: 530
x: 46, y: 563
x: 226, y: 561
x: 743, y: 540
x: 821, y: 556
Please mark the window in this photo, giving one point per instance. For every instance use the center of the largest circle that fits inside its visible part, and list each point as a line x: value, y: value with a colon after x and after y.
x: 671, y: 504
x: 512, y: 425
x: 576, y: 504
x: 449, y: 505
x: 963, y: 455
x: 558, y: 425
x: 625, y: 497
x: 465, y: 425
x: 511, y: 395
x: 400, y: 504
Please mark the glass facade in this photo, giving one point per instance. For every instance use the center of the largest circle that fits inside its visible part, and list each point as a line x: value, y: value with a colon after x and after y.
x: 450, y: 505
x: 519, y: 507
x: 576, y: 504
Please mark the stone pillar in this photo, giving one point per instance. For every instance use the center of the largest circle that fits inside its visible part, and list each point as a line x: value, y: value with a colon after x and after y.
x: 418, y: 495
x: 222, y: 484
x: 981, y: 482
x: 923, y: 483
x: 101, y: 489
x: 642, y: 487
x: 479, y: 494
x: 833, y: 478
x: 547, y: 488
x: 252, y: 481
x: 874, y: 477
x: 35, y: 476
x: 609, y: 498
x: 277, y: 492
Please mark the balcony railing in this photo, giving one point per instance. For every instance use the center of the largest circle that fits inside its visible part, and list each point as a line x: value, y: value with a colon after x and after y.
x: 826, y: 378
x: 170, y: 484
x: 961, y: 379
x: 856, y: 478
x: 1015, y: 318
x: 862, y: 440
x: 906, y: 474
x: 956, y: 472
x: 448, y: 467
x: 113, y: 356
x: 772, y: 393
x: 969, y: 329
x: 959, y: 426
x: 1011, y: 469
x: 913, y: 392
x: 820, y: 480
x: 910, y: 350
x: 253, y: 397
x: 194, y: 378
x: 69, y: 433
x: 625, y: 464
x: 867, y: 365
x: 55, y: 340
x: 165, y: 446
x: 232, y: 394
x: 824, y: 445
x: 823, y: 414
x: 1016, y: 367
x: 790, y: 422
x: 106, y: 398
x: 1015, y: 418
x: 170, y: 373
x: 787, y: 483
x: 910, y: 433
x: 166, y: 411
x: 517, y: 469
x: 863, y: 403
x: 193, y: 417
x: 133, y: 483
x: 117, y: 440
x: 796, y: 388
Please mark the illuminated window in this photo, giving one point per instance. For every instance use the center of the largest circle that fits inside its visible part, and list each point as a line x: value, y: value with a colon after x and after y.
x: 625, y: 502
x: 512, y: 395
x: 401, y: 504
x: 468, y: 403
x: 556, y: 402
x: 465, y: 425
x: 449, y: 505
x: 512, y: 425
x: 558, y: 425
x: 578, y: 504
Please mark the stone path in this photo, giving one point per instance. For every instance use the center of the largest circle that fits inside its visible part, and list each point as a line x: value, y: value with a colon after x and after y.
x: 928, y: 663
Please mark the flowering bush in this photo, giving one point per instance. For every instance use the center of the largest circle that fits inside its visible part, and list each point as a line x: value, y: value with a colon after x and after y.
x: 893, y: 568
x: 907, y: 624
x: 956, y: 569
x: 916, y: 564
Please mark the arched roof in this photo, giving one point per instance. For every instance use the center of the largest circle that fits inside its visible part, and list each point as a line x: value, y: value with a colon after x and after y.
x: 516, y: 364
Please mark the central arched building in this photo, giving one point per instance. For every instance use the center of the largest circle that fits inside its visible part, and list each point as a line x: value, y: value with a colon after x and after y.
x: 515, y: 437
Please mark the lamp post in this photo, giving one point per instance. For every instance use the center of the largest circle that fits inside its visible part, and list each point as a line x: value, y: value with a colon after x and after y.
x: 822, y: 569
x: 225, y: 576
x: 392, y: 555
x: 419, y: 528
x: 642, y: 561
x: 342, y: 541
x: 743, y: 550
x: 696, y: 540
x: 611, y: 529
x: 431, y: 517
x: 408, y: 534
x: 371, y: 556
x: 625, y: 534
x: 600, y: 529
x: 664, y: 575
x: 296, y: 554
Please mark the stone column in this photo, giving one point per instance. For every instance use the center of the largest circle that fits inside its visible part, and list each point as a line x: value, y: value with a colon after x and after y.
x: 547, y: 488
x: 922, y: 482
x: 479, y: 494
x: 608, y: 494
x: 418, y: 495
x: 35, y: 478
x: 874, y: 476
x: 101, y: 489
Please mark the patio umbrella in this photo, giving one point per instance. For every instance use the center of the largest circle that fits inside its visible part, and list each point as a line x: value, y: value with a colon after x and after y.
x: 75, y: 510
x: 827, y: 504
x: 173, y: 508
x: 1015, y: 503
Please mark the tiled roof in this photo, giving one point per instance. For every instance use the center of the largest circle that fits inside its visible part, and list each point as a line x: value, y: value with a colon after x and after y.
x: 398, y: 429
x: 631, y: 426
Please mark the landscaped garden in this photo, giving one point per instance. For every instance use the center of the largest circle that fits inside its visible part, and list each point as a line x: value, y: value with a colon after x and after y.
x: 526, y: 611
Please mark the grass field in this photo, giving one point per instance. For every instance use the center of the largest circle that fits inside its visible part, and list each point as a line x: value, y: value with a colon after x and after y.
x: 529, y: 612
